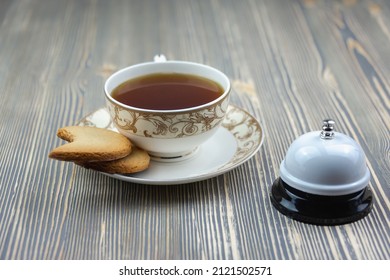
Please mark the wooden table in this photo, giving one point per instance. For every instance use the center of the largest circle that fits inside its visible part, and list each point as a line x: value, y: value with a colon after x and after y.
x: 291, y: 63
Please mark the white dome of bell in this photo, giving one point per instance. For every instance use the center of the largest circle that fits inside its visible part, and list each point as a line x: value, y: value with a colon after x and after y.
x: 333, y: 165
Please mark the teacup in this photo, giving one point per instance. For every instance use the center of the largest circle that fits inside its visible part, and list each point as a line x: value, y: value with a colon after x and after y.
x: 168, y: 135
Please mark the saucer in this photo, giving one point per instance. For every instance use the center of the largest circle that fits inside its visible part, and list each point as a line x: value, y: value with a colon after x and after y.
x: 235, y: 142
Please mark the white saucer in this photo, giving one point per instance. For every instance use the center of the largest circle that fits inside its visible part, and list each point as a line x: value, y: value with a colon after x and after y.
x: 239, y: 138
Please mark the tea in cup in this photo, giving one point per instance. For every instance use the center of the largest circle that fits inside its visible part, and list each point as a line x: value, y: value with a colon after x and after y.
x: 168, y: 108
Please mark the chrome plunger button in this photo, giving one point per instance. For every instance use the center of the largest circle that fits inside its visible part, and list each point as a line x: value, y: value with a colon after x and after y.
x: 327, y: 129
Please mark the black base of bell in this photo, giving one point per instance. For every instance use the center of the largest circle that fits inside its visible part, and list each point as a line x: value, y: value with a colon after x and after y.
x: 319, y: 209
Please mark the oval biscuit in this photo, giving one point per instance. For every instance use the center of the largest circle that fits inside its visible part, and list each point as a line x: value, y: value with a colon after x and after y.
x: 90, y: 144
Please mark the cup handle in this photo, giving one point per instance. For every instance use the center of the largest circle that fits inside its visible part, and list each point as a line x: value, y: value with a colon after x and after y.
x: 159, y: 58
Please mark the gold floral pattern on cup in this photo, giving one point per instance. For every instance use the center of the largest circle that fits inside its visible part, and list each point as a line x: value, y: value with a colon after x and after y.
x: 163, y: 125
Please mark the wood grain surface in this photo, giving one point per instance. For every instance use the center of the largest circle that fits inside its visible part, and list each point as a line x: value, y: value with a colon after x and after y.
x: 291, y: 63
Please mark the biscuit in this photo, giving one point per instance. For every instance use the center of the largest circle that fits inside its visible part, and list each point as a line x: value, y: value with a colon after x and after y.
x: 138, y: 160
x: 90, y: 144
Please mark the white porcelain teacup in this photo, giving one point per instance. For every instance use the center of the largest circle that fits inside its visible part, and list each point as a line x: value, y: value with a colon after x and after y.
x: 168, y: 135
